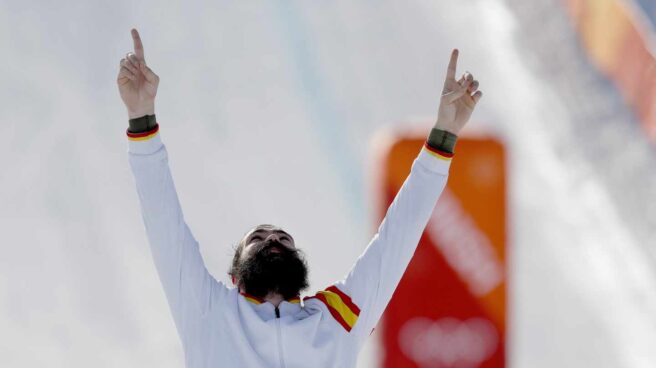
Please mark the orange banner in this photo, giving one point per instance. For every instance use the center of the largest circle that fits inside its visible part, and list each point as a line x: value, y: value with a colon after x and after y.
x: 450, y: 307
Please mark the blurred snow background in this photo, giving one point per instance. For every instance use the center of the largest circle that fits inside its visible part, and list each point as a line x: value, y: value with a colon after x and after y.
x: 267, y: 109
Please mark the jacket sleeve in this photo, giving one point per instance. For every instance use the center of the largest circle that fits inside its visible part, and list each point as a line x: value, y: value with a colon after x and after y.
x: 189, y: 288
x: 368, y: 287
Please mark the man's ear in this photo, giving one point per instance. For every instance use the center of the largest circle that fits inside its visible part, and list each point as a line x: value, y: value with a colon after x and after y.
x: 233, y: 280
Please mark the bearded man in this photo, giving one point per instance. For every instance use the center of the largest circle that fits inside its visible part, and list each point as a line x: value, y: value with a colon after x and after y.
x: 261, y: 322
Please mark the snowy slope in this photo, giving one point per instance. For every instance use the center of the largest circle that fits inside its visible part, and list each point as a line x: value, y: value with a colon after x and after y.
x: 267, y: 110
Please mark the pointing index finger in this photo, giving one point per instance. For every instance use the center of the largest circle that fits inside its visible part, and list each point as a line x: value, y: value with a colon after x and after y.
x: 138, y: 46
x: 453, y: 63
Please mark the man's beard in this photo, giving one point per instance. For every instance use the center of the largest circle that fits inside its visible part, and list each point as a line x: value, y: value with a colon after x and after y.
x: 266, y: 272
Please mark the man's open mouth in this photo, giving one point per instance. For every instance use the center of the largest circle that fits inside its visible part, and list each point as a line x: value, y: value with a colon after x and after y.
x: 273, y: 248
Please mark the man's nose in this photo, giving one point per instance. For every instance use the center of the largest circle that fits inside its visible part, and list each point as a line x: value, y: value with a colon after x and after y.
x: 273, y: 237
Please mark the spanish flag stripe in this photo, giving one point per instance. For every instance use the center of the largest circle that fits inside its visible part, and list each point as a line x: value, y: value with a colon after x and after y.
x: 346, y: 299
x: 255, y: 301
x: 252, y: 299
x: 446, y: 156
x: 334, y: 302
x: 335, y: 313
x: 144, y: 135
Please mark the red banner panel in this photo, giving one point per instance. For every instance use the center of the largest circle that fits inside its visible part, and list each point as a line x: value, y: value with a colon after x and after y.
x: 450, y: 308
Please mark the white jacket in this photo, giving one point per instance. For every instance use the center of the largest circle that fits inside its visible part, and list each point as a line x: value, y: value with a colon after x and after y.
x: 219, y: 327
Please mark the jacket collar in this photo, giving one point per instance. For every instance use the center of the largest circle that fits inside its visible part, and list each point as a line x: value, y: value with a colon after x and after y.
x: 267, y: 310
x: 257, y: 300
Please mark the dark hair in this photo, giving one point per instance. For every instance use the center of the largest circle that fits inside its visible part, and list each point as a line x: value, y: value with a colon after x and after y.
x: 242, y: 243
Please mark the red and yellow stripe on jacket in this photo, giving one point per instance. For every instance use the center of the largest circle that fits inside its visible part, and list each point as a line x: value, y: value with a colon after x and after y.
x: 340, y: 305
x: 442, y: 155
x: 255, y: 300
x: 144, y: 136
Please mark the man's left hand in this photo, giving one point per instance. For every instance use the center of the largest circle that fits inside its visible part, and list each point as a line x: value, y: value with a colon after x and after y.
x: 459, y: 97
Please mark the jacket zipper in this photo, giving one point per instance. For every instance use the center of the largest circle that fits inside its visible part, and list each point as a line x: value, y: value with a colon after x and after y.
x: 282, y: 360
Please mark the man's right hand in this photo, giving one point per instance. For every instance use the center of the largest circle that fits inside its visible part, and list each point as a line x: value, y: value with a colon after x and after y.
x: 137, y: 83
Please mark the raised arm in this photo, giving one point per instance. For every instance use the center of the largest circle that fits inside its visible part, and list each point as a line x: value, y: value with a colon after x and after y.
x: 187, y: 284
x: 375, y: 275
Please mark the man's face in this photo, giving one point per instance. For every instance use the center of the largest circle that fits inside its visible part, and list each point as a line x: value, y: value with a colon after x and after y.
x: 269, y: 262
x: 255, y: 238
